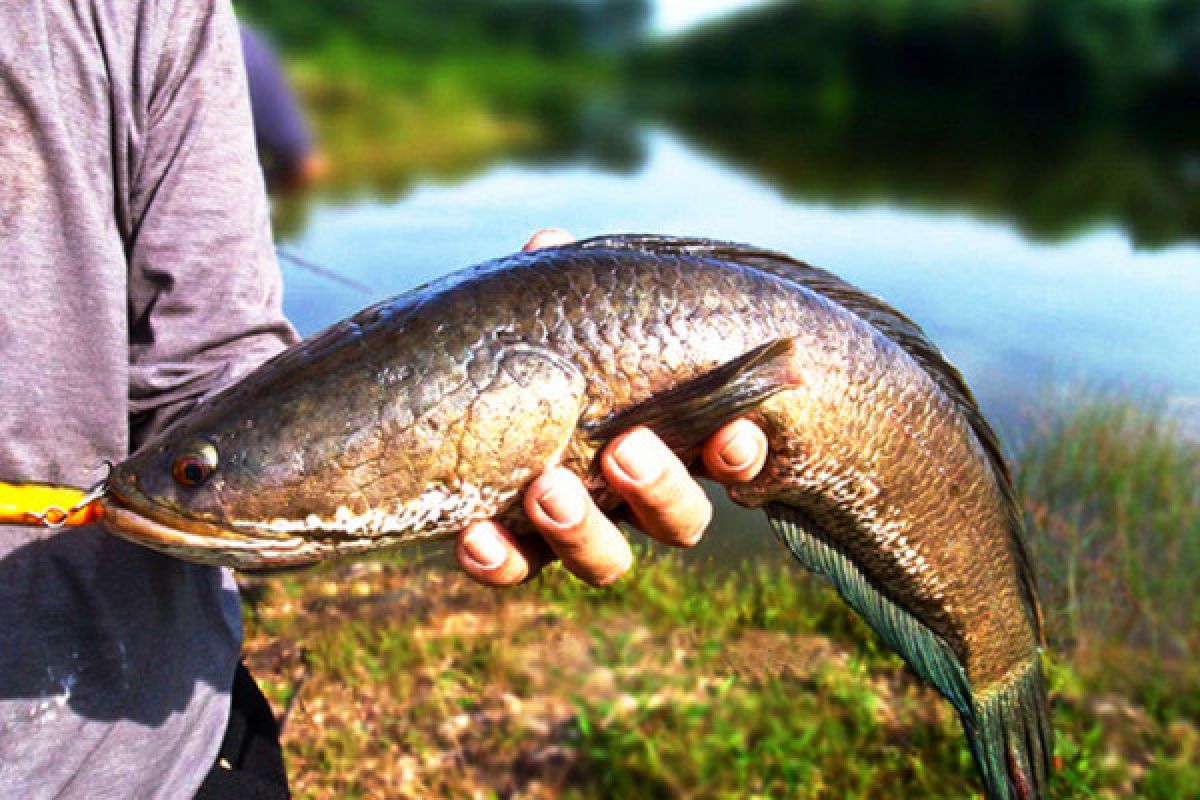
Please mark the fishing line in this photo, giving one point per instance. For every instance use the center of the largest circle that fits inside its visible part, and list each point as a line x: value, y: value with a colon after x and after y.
x: 324, y: 272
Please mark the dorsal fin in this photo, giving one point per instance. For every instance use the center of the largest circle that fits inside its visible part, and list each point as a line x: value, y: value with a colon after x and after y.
x: 891, y: 323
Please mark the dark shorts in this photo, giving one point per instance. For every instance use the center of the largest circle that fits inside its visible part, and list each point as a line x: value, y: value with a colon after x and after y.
x: 250, y: 763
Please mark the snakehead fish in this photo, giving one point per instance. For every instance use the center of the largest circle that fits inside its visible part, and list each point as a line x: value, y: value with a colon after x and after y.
x: 436, y: 408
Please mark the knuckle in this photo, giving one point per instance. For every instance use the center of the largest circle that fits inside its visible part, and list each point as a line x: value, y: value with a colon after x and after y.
x: 583, y: 541
x: 571, y: 539
x: 607, y: 565
x: 682, y: 522
x: 668, y: 492
x: 588, y: 543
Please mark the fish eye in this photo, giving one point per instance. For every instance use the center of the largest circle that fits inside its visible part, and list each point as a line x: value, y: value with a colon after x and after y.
x: 194, y: 464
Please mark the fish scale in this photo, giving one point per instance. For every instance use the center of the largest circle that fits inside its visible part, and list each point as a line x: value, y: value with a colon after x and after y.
x: 438, y: 407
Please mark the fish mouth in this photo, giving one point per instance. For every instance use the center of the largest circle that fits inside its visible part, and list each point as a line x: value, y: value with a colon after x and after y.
x: 133, y: 518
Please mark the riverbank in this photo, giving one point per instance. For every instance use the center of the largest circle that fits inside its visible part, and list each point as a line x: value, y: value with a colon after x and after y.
x: 385, y: 123
x: 406, y: 681
x: 382, y: 140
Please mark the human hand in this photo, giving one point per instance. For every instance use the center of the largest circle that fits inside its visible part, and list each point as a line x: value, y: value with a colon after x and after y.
x: 667, y: 503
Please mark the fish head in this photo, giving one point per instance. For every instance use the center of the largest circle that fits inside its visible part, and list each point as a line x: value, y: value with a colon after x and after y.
x: 203, y: 489
x: 310, y: 458
x: 181, y: 476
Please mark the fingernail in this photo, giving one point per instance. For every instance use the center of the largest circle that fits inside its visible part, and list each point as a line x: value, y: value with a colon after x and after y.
x: 485, y: 548
x: 638, y: 457
x: 739, y: 452
x: 695, y: 538
x: 617, y: 573
x: 548, y: 237
x: 562, y: 501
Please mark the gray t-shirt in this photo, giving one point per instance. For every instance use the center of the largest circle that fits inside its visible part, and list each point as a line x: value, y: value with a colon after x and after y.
x: 138, y: 275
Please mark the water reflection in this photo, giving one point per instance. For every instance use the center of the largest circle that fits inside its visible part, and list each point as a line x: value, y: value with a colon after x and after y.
x: 563, y: 128
x: 1052, y: 180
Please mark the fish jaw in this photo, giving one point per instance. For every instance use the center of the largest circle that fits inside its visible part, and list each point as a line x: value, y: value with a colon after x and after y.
x: 439, y: 512
x: 201, y: 542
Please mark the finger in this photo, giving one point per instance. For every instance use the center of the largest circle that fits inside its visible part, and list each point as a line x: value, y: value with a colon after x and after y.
x: 736, y: 453
x: 493, y: 556
x: 588, y: 542
x: 667, y: 502
x: 548, y: 237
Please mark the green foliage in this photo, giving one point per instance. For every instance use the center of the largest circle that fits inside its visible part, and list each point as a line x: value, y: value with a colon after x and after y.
x: 1052, y: 58
x: 731, y: 739
x: 424, y: 29
x: 1112, y: 495
x: 1113, y: 492
x: 1058, y: 115
x: 396, y: 91
x: 763, y: 596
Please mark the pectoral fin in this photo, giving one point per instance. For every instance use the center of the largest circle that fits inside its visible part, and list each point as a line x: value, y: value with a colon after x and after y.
x: 692, y: 411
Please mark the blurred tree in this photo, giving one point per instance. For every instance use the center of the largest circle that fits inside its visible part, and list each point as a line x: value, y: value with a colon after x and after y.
x: 1056, y: 113
x: 1058, y: 58
x: 428, y: 27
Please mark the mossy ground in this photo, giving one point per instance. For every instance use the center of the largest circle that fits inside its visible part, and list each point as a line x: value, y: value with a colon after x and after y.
x: 405, y: 680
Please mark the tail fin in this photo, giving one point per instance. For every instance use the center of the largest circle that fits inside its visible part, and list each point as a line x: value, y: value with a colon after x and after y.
x: 1010, y: 736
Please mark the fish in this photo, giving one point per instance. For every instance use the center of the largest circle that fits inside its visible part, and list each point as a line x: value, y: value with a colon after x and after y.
x: 436, y: 408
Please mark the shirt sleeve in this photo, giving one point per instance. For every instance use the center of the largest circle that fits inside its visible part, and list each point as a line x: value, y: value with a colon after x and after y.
x: 204, y: 285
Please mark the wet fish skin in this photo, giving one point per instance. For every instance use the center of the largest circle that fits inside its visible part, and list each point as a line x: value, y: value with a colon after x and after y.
x: 379, y: 406
x: 436, y: 408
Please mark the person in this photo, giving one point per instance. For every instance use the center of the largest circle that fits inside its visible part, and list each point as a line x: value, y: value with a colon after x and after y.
x: 290, y: 157
x: 139, y: 278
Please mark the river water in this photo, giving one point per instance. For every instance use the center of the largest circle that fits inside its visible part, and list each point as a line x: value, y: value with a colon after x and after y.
x: 1019, y: 317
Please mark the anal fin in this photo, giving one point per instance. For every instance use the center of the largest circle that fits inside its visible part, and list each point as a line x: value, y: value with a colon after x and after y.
x: 1007, y: 727
x: 929, y: 655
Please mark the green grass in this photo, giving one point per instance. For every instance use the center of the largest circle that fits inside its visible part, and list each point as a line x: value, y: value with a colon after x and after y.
x: 755, y: 682
x: 1112, y: 495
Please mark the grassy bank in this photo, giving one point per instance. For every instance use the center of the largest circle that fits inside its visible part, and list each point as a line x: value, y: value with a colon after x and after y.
x: 403, y: 681
x: 1112, y: 492
x: 382, y: 138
